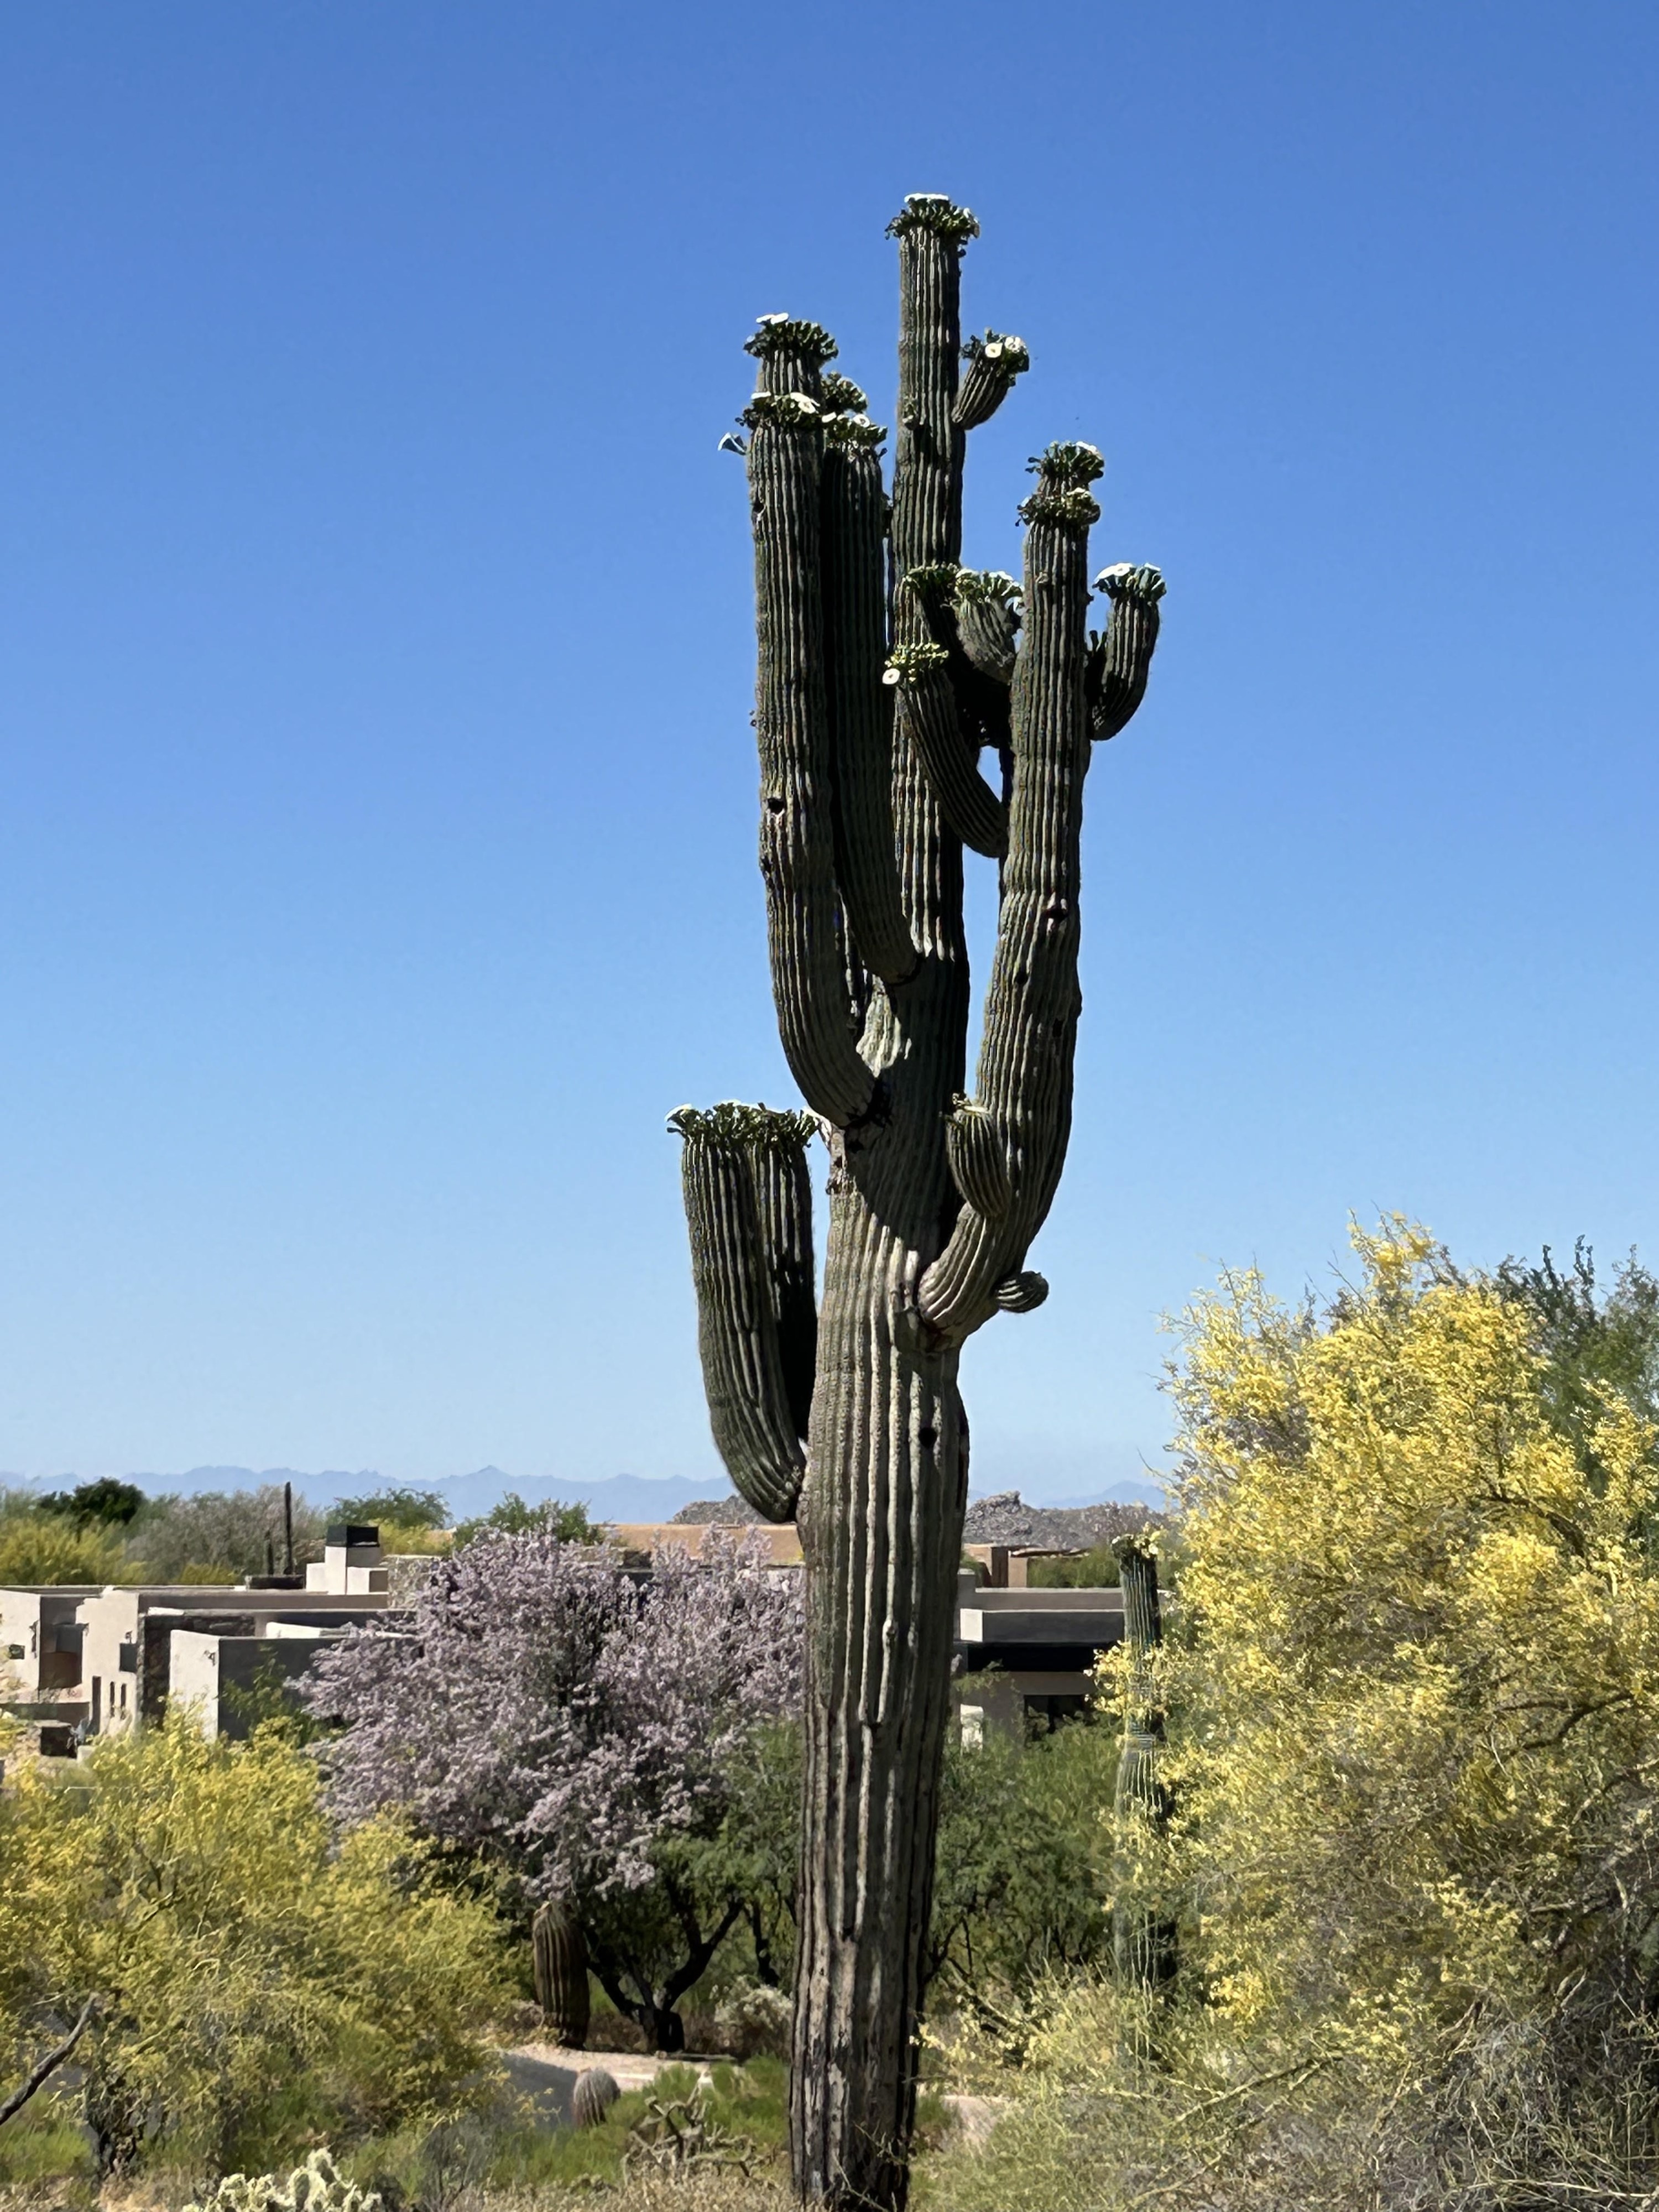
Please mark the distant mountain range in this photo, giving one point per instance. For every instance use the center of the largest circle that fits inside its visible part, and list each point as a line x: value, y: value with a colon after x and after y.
x: 616, y: 1497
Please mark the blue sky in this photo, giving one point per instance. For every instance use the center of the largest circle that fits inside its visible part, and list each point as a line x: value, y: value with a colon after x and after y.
x: 377, y: 824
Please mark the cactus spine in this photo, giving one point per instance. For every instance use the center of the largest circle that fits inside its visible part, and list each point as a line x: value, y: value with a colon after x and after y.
x: 874, y: 704
x: 1143, y: 1947
x: 560, y: 1959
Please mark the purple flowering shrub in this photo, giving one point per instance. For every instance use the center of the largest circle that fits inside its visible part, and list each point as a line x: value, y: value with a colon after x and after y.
x: 601, y: 1736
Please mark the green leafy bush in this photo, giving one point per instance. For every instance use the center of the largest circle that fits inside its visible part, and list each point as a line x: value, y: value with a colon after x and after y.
x: 1020, y: 1886
x: 36, y: 1546
x: 261, y: 1983
x: 1095, y: 1569
x: 513, y: 1518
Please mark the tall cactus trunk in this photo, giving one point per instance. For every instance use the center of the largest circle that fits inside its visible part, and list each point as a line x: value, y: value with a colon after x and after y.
x: 869, y: 788
x: 1143, y: 1943
x: 881, y: 1525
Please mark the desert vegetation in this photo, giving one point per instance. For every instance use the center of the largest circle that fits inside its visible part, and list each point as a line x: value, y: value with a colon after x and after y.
x: 1408, y: 1696
x: 1403, y: 1877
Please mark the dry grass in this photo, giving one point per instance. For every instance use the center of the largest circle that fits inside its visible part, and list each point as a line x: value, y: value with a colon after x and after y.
x: 703, y: 2193
x: 698, y: 2192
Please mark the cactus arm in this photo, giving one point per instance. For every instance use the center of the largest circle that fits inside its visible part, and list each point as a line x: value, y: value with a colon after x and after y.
x: 855, y: 526
x: 748, y: 1208
x: 926, y: 530
x: 1025, y: 1082
x: 993, y: 361
x: 927, y: 471
x: 972, y: 811
x: 783, y: 1212
x: 797, y: 837
x: 978, y: 1167
x: 987, y: 622
x: 1114, y: 682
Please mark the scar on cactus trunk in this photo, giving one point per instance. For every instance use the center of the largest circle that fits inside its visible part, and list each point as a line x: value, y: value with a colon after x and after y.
x: 875, y: 702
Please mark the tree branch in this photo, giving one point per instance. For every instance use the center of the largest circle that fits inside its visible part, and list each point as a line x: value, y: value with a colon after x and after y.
x: 46, y: 2067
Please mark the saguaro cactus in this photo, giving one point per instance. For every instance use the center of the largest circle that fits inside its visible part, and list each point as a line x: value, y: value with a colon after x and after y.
x: 560, y: 1955
x: 885, y: 671
x: 1142, y: 1943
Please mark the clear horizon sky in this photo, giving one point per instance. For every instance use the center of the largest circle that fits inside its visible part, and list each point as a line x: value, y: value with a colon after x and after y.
x: 375, y: 665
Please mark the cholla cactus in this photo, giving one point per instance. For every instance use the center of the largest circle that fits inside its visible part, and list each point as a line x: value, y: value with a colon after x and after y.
x: 874, y: 709
x: 316, y: 2186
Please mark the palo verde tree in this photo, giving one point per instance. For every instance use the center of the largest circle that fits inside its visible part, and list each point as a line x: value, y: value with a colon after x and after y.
x: 886, y: 671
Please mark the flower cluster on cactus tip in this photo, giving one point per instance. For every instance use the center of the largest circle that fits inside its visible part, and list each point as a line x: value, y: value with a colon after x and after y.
x: 841, y: 396
x: 986, y: 585
x: 1013, y: 353
x: 1125, y: 580
x: 937, y: 212
x: 1071, y: 510
x: 1069, y: 461
x: 776, y: 334
x: 931, y: 579
x: 854, y: 430
x: 733, y: 1123
x: 789, y: 407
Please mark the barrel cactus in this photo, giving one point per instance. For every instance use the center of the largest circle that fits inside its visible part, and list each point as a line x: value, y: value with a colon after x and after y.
x: 889, y: 675
x: 561, y: 1963
x: 595, y: 2093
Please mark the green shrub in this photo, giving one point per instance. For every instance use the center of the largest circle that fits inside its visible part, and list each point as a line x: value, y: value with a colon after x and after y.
x: 262, y: 1985
x: 1096, y: 1569
x: 1020, y: 1885
x: 47, y: 1547
x: 43, y: 2143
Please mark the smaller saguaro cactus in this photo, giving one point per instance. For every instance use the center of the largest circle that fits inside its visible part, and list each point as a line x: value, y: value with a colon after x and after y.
x: 561, y: 1957
x: 1143, y: 1945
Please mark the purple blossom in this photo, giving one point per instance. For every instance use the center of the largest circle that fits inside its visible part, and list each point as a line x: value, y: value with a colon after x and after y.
x: 557, y: 1712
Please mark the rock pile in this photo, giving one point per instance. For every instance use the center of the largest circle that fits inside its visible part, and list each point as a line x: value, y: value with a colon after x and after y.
x: 1005, y: 1518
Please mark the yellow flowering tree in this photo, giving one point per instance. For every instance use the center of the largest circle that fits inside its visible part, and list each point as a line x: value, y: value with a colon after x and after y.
x: 255, y: 1982
x: 1419, y: 1695
x: 1412, y: 1690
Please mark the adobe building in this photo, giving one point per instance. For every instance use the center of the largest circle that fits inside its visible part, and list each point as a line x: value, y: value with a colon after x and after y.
x: 102, y: 1658
x: 40, y: 1635
x: 1033, y: 1649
